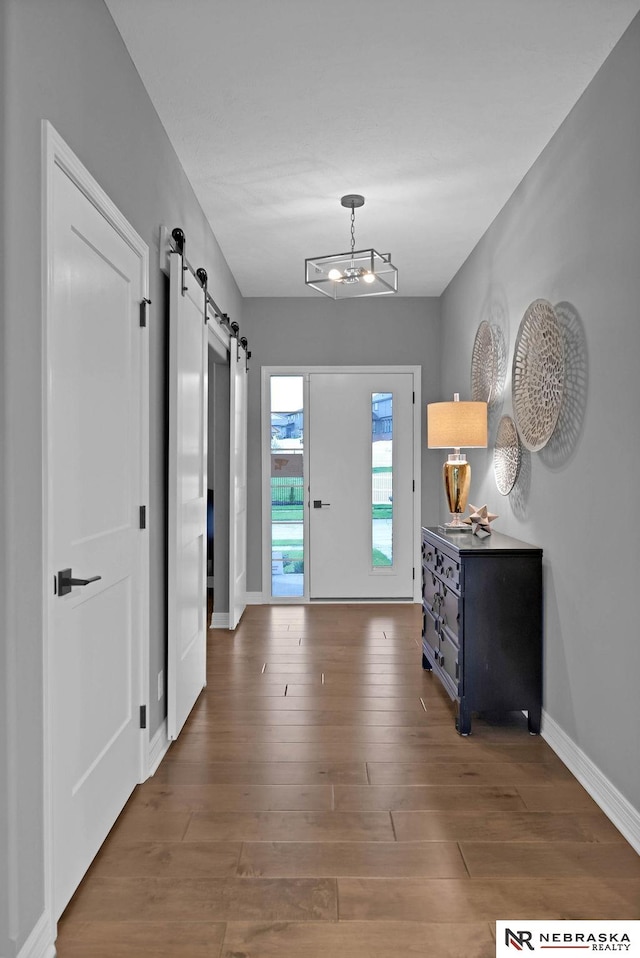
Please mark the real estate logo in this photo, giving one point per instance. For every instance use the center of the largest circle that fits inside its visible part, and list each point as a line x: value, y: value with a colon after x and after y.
x: 559, y: 937
x: 518, y: 939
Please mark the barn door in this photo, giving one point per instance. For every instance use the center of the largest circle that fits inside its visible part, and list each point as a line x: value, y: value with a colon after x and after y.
x: 187, y: 573
x: 238, y: 483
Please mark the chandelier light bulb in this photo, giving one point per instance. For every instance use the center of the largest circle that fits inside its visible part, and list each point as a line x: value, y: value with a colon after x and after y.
x: 335, y: 274
x: 369, y: 277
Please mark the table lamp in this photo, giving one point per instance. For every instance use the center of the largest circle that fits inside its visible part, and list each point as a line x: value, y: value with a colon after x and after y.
x: 454, y: 425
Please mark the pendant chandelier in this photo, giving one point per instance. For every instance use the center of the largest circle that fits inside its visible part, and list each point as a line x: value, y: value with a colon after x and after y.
x: 362, y: 272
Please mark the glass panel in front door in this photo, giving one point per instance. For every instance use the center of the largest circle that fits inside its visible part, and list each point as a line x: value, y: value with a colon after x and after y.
x: 381, y: 480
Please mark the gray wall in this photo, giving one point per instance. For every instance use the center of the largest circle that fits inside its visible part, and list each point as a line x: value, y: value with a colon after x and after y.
x: 318, y: 331
x: 4, y: 556
x: 571, y: 234
x: 64, y: 60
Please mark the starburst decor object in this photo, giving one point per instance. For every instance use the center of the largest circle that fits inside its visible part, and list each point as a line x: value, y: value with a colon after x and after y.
x: 480, y: 519
x: 360, y: 272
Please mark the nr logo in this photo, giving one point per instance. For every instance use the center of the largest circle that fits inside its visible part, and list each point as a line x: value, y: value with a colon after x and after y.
x: 518, y: 939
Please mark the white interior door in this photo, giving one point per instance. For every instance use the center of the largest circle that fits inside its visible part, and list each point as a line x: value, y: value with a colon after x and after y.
x: 96, y: 432
x: 187, y: 573
x: 237, y: 484
x: 361, y: 518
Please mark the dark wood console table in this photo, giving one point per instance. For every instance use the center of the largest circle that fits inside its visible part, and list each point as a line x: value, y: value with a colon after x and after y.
x: 482, y: 622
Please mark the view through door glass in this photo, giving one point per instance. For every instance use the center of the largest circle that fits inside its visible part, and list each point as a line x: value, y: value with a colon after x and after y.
x: 381, y: 479
x: 287, y: 486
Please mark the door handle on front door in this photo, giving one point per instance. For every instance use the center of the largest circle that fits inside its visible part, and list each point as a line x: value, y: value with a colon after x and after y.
x: 65, y: 582
x: 318, y: 504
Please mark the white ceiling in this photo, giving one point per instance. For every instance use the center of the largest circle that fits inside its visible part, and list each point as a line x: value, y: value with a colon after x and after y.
x: 432, y: 109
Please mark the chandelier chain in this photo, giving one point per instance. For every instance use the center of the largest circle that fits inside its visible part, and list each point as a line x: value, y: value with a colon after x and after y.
x: 353, y: 228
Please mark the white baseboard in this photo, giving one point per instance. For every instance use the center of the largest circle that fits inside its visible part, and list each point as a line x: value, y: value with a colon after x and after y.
x: 616, y: 807
x: 158, y: 747
x: 220, y: 620
x: 39, y: 944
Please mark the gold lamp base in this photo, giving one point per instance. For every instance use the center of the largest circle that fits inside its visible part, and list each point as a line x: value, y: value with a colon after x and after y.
x: 456, y: 473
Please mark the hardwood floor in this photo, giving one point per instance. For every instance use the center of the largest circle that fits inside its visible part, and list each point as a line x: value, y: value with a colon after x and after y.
x: 320, y: 804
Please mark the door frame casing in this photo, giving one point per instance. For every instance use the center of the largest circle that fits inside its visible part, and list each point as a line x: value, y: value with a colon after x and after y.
x: 265, y: 415
x: 56, y: 153
x: 238, y: 396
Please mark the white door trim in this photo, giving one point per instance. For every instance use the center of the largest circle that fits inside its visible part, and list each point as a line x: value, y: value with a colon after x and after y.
x: 238, y: 381
x: 267, y: 372
x: 56, y: 153
x: 218, y: 338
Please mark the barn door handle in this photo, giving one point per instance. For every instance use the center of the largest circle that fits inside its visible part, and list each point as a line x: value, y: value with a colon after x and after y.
x: 65, y: 581
x: 318, y: 504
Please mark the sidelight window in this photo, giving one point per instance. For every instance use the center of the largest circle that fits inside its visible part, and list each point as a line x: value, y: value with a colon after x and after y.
x: 287, y: 486
x: 381, y: 479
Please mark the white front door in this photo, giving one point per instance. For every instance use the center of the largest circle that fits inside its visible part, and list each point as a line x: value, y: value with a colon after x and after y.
x: 188, y: 392
x: 97, y: 435
x: 361, y: 517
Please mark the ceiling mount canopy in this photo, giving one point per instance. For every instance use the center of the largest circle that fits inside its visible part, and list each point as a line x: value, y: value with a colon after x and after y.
x: 363, y: 272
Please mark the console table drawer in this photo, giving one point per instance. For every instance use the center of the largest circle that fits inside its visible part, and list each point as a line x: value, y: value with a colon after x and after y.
x: 429, y: 557
x: 448, y: 660
x: 449, y: 569
x: 430, y: 633
x: 430, y: 589
x: 449, y: 609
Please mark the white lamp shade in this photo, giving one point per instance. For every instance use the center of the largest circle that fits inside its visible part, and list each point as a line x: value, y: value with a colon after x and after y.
x: 456, y: 425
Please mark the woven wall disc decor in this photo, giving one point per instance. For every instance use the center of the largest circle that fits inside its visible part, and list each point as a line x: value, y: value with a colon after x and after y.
x: 488, y: 364
x: 506, y: 456
x: 483, y: 364
x: 537, y: 375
